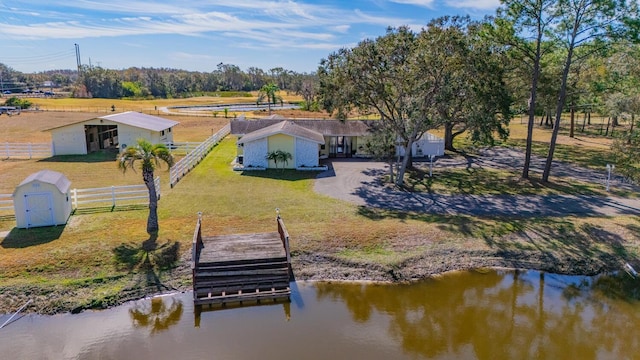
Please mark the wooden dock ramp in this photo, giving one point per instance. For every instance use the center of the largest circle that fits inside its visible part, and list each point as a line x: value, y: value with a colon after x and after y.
x: 240, y: 267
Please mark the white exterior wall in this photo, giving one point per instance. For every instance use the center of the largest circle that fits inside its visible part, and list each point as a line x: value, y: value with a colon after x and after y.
x: 60, y: 202
x: 69, y: 140
x: 255, y: 153
x: 427, y: 145
x: 306, y: 153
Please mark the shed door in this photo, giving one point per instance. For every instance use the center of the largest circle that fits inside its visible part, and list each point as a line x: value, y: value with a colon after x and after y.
x: 39, y: 208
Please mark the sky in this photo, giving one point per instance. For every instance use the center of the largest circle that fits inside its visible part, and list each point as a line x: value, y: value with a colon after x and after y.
x: 39, y: 35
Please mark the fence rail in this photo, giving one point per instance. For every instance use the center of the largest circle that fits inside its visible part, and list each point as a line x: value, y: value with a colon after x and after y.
x: 25, y: 150
x: 182, y: 167
x: 182, y: 148
x: 113, y: 195
x: 6, y: 202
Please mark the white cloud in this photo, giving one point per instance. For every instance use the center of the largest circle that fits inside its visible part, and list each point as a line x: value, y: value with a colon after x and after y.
x: 474, y: 4
x: 341, y: 28
x: 423, y: 3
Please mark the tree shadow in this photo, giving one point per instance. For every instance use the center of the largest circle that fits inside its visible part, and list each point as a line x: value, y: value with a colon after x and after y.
x: 149, y: 259
x: 22, y: 238
x: 586, y: 249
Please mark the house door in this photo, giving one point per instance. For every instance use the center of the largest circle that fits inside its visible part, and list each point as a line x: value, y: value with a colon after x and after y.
x: 39, y: 208
x: 340, y: 146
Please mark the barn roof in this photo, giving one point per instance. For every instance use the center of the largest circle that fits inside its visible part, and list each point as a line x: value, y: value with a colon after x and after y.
x: 49, y: 177
x: 135, y: 119
x: 283, y: 127
x: 324, y: 127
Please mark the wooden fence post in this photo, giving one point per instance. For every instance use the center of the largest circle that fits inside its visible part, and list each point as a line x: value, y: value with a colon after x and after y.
x: 113, y: 196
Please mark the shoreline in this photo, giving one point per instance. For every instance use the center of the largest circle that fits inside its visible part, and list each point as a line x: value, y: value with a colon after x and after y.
x: 317, y: 267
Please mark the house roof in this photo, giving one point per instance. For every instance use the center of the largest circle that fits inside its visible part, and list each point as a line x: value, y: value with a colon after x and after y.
x: 283, y: 127
x: 135, y: 119
x: 49, y: 177
x: 324, y: 127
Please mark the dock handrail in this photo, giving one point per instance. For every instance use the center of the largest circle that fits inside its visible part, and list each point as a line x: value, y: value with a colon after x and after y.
x: 196, y: 246
x: 284, y: 236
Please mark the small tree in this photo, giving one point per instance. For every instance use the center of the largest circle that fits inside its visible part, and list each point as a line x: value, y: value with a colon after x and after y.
x: 270, y: 93
x: 150, y: 157
x: 279, y: 156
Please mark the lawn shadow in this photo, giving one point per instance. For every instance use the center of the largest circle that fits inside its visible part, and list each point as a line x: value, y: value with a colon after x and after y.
x: 586, y: 248
x: 22, y: 238
x: 148, y: 259
x: 105, y: 209
x: 94, y: 157
x: 282, y: 174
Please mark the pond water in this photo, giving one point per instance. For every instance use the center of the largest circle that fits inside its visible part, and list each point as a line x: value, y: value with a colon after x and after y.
x: 470, y: 315
x: 235, y: 107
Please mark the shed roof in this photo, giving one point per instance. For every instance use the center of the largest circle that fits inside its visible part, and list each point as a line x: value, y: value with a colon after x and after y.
x: 135, y: 119
x: 49, y: 177
x: 324, y: 127
x: 283, y: 127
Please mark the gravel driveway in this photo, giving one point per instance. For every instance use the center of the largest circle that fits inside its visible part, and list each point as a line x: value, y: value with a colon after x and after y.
x: 358, y: 181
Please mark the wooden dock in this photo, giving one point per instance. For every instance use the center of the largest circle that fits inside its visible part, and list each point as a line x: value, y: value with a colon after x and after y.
x: 240, y: 267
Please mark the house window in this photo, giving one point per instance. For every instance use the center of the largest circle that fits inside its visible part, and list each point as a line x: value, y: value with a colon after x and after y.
x: 169, y: 130
x: 162, y: 133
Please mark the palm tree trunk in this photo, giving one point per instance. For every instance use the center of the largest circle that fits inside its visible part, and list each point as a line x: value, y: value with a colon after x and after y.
x: 152, y: 219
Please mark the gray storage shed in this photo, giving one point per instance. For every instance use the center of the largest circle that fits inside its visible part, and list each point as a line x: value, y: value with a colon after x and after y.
x: 42, y: 199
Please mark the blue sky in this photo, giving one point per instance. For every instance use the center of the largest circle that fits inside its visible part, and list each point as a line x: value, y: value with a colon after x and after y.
x: 39, y: 35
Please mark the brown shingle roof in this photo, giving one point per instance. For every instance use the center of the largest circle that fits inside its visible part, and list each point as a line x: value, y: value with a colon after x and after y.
x: 324, y: 127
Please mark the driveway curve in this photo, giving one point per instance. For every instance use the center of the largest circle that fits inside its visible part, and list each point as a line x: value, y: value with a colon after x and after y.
x: 358, y: 181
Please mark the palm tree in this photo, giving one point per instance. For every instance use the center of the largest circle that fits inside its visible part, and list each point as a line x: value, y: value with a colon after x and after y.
x: 279, y: 156
x: 150, y: 157
x: 269, y: 92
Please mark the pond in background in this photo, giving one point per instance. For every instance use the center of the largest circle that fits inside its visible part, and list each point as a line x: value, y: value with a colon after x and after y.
x: 235, y: 107
x: 494, y: 315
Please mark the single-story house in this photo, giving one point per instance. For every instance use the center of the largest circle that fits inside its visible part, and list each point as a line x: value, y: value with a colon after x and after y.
x: 300, y: 142
x: 341, y: 139
x: 114, y: 131
x: 42, y: 199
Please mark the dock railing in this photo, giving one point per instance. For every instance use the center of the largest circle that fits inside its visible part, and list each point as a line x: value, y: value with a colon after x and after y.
x: 284, y: 236
x: 196, y: 246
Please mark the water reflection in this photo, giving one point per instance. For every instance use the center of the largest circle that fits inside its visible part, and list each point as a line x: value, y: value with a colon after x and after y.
x: 155, y: 314
x: 492, y: 315
x: 199, y: 309
x: 498, y: 315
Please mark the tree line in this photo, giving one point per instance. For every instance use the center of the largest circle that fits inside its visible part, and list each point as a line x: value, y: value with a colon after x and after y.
x: 539, y: 57
x: 99, y: 82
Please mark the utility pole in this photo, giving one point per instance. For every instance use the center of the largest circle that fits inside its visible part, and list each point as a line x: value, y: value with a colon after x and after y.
x: 78, y: 59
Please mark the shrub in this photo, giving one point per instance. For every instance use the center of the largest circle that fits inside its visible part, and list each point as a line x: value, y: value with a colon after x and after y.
x: 14, y: 101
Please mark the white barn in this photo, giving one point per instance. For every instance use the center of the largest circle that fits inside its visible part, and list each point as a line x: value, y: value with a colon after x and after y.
x: 115, y: 131
x: 42, y: 199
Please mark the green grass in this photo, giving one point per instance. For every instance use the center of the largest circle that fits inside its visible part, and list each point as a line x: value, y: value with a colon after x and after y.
x: 592, y: 158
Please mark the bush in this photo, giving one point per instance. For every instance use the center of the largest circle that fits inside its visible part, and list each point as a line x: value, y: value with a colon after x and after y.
x: 14, y: 101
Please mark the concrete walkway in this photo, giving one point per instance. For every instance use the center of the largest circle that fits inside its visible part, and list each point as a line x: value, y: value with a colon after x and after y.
x: 358, y: 181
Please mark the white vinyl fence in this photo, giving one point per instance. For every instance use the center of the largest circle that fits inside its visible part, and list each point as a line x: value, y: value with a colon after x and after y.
x: 96, y: 197
x: 182, y: 148
x: 6, y: 202
x: 182, y: 167
x: 113, y: 195
x: 25, y: 150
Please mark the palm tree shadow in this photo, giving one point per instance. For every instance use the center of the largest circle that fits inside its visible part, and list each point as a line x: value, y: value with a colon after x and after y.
x: 148, y: 260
